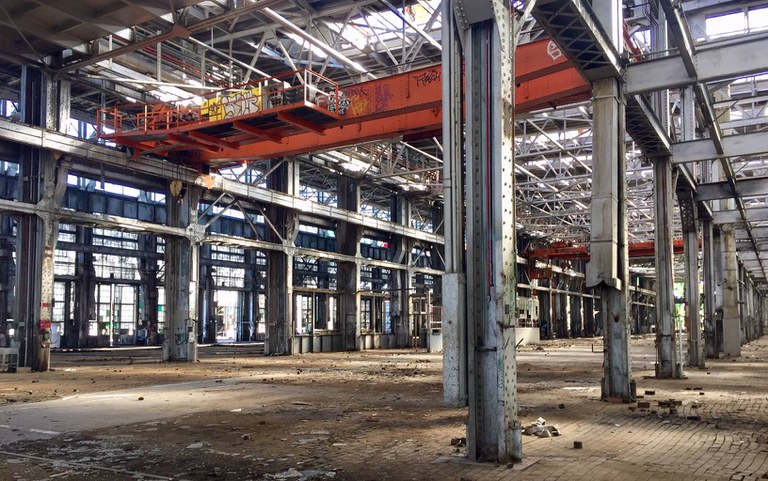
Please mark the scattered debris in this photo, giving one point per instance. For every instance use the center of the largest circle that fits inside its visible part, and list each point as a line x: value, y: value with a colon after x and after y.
x: 459, y: 442
x: 306, y: 475
x: 643, y: 405
x: 540, y: 429
x: 650, y: 393
x: 577, y: 445
x: 141, y: 398
x: 195, y: 446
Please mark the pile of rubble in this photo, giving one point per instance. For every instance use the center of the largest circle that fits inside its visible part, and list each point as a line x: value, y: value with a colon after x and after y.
x: 539, y: 428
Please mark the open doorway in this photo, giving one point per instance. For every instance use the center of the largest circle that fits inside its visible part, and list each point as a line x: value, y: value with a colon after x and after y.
x: 228, y: 310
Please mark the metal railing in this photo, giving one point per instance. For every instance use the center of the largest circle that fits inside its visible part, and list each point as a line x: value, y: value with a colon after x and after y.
x: 240, y: 101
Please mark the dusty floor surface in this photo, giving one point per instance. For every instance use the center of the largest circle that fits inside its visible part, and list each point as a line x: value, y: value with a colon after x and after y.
x: 378, y: 415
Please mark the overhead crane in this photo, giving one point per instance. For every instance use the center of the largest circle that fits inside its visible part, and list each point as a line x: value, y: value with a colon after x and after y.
x: 302, y: 111
x: 644, y: 249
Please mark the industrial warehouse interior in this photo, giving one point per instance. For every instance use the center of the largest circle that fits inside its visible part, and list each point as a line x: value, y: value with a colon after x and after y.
x: 383, y: 240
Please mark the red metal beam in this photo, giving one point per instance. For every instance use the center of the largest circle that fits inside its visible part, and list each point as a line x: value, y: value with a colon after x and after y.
x: 304, y: 124
x: 334, y: 137
x: 250, y: 129
x: 406, y: 104
x: 192, y: 143
x: 215, y: 141
x: 636, y: 250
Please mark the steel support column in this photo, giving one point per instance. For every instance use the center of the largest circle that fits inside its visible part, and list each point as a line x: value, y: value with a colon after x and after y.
x: 711, y: 341
x: 85, y: 298
x: 280, y: 306
x: 6, y: 276
x: 668, y: 365
x: 692, y: 299
x: 454, y: 279
x: 54, y: 175
x: 348, y: 238
x: 208, y: 313
x: 284, y: 229
x: 608, y: 268
x: 494, y: 432
x: 690, y: 221
x: 182, y: 272
x: 401, y: 281
x: 148, y: 300
x: 731, y: 314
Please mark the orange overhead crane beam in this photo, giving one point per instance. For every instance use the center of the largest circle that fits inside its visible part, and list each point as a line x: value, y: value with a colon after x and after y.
x: 301, y: 112
x: 581, y: 252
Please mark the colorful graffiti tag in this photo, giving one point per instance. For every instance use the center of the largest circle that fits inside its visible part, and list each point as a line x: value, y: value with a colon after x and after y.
x: 232, y: 104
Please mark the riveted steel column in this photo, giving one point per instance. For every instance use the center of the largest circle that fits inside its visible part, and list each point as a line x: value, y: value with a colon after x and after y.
x: 667, y: 363
x: 454, y: 279
x: 348, y: 236
x: 284, y: 229
x: 494, y: 429
x: 691, y: 244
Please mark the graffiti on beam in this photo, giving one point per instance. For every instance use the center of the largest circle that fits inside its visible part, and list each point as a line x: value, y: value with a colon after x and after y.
x: 232, y: 104
x: 428, y: 77
x: 358, y: 101
x: 383, y: 97
x: 343, y: 104
x: 554, y: 51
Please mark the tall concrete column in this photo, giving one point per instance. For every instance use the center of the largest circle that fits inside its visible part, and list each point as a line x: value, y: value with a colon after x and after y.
x: 284, y: 229
x: 608, y: 268
x: 182, y: 272
x: 348, y: 237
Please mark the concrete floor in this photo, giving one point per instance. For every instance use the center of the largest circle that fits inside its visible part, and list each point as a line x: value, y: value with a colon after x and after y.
x: 377, y: 416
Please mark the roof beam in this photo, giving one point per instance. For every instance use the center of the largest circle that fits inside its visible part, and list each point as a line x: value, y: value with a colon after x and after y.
x: 713, y: 62
x: 733, y: 146
x: 759, y: 214
x: 722, y: 190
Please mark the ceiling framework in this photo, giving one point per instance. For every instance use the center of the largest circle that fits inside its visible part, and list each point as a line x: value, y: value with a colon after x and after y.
x: 119, y: 51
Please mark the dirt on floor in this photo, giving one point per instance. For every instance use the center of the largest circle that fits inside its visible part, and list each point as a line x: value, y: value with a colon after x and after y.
x: 374, y: 415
